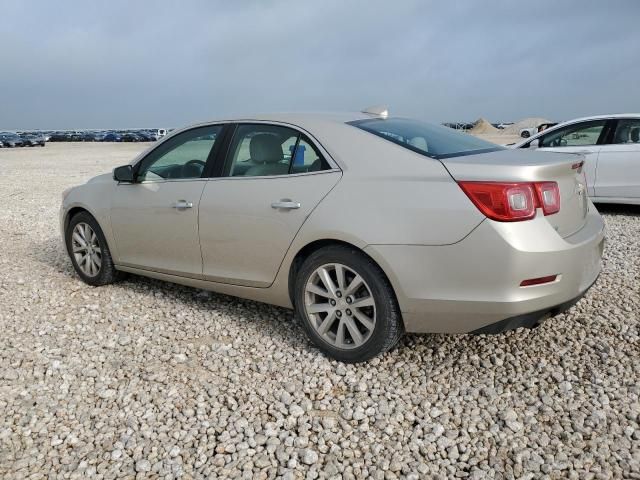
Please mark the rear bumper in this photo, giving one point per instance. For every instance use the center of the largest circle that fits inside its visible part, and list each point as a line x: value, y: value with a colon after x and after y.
x: 475, y: 283
x: 529, y: 320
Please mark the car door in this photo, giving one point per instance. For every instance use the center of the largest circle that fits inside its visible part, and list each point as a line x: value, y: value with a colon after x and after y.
x: 155, y: 219
x: 272, y: 179
x: 618, y: 174
x: 584, y: 138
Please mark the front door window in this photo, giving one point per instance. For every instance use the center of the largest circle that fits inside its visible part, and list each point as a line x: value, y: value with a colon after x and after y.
x: 181, y: 157
x: 577, y: 135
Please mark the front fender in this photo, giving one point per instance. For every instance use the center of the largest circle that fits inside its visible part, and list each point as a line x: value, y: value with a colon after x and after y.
x: 95, y: 198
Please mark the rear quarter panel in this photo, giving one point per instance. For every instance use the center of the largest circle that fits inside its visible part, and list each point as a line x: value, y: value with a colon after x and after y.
x: 389, y: 195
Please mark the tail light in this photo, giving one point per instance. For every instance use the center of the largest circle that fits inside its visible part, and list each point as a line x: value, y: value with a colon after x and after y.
x: 513, y: 202
x: 548, y: 197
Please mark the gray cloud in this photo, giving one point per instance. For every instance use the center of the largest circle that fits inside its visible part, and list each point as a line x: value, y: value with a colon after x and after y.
x: 116, y: 64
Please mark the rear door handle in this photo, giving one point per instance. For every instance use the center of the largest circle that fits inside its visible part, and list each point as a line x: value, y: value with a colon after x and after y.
x: 286, y: 204
x: 182, y: 205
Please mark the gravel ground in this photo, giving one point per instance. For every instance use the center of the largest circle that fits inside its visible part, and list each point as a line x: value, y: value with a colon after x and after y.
x: 146, y: 379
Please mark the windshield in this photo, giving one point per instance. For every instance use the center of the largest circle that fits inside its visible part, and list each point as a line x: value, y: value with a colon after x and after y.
x: 434, y: 141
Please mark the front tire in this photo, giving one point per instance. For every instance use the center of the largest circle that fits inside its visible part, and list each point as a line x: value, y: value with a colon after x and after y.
x: 346, y: 304
x: 89, y: 252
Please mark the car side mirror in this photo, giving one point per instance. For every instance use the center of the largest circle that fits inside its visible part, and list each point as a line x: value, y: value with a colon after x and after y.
x: 534, y: 143
x: 123, y: 174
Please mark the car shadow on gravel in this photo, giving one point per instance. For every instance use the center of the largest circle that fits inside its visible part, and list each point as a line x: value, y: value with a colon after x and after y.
x: 266, y: 320
x: 619, y: 209
x: 51, y: 254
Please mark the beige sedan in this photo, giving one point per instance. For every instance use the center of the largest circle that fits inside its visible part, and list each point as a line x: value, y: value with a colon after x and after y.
x: 369, y: 226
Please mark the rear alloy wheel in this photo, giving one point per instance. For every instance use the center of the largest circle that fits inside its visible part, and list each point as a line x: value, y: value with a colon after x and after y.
x: 88, y: 251
x: 347, y: 305
x: 340, y: 306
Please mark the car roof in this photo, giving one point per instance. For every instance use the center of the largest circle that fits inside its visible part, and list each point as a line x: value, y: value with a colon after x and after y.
x: 301, y: 119
x: 603, y: 117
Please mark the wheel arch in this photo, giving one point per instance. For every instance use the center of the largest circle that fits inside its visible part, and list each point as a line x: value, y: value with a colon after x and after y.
x: 304, y: 253
x: 72, y: 212
x: 78, y: 208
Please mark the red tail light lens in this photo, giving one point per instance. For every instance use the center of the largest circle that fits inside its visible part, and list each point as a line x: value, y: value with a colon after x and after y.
x: 513, y: 202
x: 504, y: 202
x: 549, y: 197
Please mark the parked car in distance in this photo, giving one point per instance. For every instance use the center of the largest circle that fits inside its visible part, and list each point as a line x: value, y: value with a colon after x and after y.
x: 112, y: 137
x: 145, y: 136
x: 59, y: 137
x: 11, y: 140
x: 33, y: 140
x: 367, y: 225
x: 98, y: 136
x: 610, y: 145
x: 131, y: 137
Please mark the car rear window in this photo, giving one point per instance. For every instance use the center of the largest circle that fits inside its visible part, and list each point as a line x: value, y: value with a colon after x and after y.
x: 431, y: 140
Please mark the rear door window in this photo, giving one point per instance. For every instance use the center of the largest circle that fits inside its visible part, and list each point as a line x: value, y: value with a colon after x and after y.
x: 627, y: 132
x: 264, y: 150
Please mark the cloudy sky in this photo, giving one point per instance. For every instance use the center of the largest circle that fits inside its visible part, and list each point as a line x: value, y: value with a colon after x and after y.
x: 127, y: 64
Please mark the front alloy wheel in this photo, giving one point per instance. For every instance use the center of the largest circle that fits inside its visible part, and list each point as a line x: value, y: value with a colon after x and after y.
x: 86, y: 249
x: 89, y: 251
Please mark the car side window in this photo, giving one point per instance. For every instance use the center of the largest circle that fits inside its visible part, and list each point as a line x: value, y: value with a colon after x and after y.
x: 579, y: 134
x: 627, y: 131
x: 307, y: 158
x: 181, y: 157
x: 266, y: 150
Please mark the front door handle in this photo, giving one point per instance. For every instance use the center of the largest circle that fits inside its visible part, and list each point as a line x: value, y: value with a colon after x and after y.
x: 286, y: 204
x: 182, y: 205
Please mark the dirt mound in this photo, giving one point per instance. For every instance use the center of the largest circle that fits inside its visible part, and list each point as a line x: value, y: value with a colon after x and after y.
x: 483, y: 126
x: 531, y: 122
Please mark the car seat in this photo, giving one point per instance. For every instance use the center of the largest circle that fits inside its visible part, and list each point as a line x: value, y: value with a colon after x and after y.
x: 266, y: 154
x: 622, y: 135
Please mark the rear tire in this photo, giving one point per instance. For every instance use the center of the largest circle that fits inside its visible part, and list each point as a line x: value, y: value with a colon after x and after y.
x: 356, y: 317
x: 89, y: 252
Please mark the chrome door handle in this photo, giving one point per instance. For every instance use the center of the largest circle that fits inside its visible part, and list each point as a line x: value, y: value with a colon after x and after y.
x: 182, y: 205
x: 286, y: 204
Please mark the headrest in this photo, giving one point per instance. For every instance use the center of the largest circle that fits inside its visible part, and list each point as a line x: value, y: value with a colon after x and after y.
x: 265, y: 148
x: 622, y: 135
x: 419, y: 142
x: 634, y: 136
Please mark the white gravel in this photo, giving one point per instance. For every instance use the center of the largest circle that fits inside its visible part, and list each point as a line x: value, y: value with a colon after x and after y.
x: 145, y: 379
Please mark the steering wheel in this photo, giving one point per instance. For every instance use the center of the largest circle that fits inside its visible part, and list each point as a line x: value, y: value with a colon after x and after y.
x: 193, y: 169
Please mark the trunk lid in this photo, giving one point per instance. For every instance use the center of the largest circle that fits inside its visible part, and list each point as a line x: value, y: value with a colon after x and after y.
x: 531, y: 166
